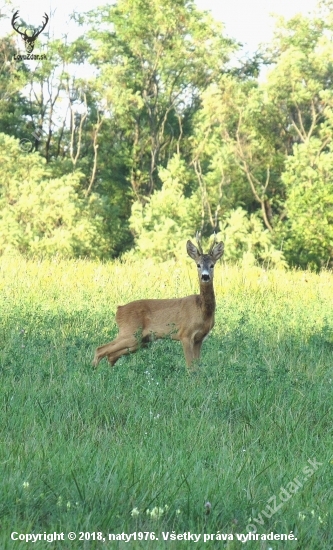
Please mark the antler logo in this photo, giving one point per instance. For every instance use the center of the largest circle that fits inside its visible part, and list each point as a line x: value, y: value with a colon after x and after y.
x: 29, y: 41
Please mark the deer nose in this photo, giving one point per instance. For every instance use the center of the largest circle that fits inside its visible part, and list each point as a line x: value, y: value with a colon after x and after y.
x: 205, y: 277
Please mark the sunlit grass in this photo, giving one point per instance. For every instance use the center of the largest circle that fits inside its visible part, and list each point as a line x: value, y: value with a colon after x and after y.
x: 144, y: 446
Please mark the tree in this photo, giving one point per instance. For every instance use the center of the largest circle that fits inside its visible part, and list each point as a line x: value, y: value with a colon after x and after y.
x: 257, y: 144
x: 154, y: 59
x: 308, y: 228
x: 14, y: 107
x: 236, y: 151
x: 41, y: 215
x: 300, y: 85
x: 168, y: 218
x: 247, y: 242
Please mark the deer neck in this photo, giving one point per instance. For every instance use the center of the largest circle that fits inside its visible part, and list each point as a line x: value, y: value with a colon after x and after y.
x: 207, y: 299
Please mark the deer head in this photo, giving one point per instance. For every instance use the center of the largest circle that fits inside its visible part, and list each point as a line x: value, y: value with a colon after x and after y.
x: 29, y: 41
x: 205, y: 262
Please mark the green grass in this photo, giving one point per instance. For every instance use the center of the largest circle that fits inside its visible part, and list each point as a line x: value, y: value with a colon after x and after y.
x: 81, y: 449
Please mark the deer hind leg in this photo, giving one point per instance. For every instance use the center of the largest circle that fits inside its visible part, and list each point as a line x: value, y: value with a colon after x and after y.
x: 115, y: 349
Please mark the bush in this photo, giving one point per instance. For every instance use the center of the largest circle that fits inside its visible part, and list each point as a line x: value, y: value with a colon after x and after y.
x: 41, y: 216
x: 308, y: 230
x: 161, y: 226
x: 248, y: 242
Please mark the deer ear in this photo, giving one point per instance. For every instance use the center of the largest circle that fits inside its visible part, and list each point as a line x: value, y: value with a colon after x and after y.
x: 218, y: 251
x: 192, y: 250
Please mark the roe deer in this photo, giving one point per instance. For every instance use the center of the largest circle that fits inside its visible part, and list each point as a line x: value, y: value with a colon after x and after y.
x: 187, y: 319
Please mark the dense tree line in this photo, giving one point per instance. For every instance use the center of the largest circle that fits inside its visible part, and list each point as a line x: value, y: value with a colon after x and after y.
x: 169, y: 134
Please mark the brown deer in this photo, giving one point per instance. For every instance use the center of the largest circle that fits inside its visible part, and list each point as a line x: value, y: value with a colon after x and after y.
x: 187, y: 319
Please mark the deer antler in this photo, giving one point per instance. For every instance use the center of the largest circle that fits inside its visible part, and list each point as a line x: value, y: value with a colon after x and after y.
x: 15, y: 16
x: 198, y: 239
x: 37, y: 32
x: 213, y: 243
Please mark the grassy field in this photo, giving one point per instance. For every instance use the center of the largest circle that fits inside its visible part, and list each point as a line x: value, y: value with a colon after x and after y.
x: 243, y: 445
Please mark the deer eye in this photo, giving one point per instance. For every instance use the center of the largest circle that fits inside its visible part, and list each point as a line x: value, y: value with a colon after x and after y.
x: 198, y: 265
x: 212, y: 266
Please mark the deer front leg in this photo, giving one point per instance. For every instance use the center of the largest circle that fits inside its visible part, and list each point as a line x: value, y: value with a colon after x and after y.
x: 188, y: 347
x: 197, y: 349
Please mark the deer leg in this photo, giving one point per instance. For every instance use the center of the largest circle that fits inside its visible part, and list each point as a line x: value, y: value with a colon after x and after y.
x: 127, y: 346
x: 188, y: 347
x: 115, y: 349
x: 192, y: 351
x: 197, y: 349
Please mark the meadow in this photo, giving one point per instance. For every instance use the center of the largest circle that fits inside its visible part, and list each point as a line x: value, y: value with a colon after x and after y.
x: 145, y: 447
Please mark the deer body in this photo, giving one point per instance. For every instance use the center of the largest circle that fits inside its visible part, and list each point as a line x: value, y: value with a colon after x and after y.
x: 187, y: 319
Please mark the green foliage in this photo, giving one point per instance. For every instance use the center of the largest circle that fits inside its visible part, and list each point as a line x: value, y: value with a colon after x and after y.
x: 244, y: 137
x: 300, y: 82
x: 154, y: 60
x: 308, y: 230
x: 168, y: 218
x: 14, y: 106
x: 237, y: 150
x: 247, y: 241
x: 41, y: 216
x: 255, y: 147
